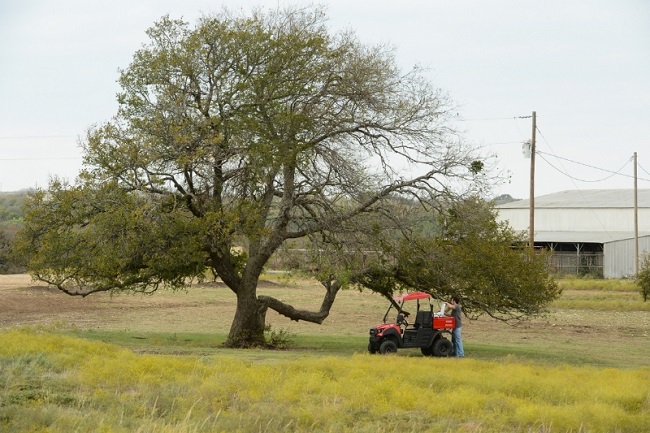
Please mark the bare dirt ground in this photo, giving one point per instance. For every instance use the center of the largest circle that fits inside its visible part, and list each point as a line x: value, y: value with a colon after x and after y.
x: 615, y: 337
x: 205, y: 308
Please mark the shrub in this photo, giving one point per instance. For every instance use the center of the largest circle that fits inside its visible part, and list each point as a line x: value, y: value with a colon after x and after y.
x: 280, y: 340
x: 643, y: 277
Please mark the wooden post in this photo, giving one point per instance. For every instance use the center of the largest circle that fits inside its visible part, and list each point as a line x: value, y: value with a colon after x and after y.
x: 636, y: 221
x: 531, y: 240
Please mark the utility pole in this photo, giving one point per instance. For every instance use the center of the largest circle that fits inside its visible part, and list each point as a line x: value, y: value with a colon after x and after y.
x: 531, y: 240
x: 636, y: 220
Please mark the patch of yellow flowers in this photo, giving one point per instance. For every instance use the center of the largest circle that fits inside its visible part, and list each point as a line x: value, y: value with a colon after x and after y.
x: 110, y: 389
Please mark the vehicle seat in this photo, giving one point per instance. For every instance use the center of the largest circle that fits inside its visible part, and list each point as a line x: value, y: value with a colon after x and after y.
x: 423, y: 319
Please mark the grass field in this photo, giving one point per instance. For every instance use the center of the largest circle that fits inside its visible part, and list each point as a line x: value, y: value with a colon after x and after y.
x: 154, y: 364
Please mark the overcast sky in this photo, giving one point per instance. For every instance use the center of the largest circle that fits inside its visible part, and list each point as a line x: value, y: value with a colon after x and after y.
x: 583, y: 66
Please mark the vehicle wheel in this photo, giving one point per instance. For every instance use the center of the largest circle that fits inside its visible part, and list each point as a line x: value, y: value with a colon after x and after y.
x: 442, y: 347
x: 387, y: 347
x: 372, y: 348
x: 427, y: 351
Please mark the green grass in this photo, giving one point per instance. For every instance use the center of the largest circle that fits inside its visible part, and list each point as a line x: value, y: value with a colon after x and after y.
x: 601, y: 305
x: 166, y: 343
x: 608, y: 285
x: 600, y: 295
x: 316, y: 346
x: 600, y: 327
x: 206, y: 344
x: 601, y: 300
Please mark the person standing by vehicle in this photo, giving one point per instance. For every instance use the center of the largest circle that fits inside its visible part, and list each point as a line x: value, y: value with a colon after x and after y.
x: 456, y: 313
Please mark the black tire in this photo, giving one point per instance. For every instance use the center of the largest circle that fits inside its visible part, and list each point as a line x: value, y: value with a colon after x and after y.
x: 372, y: 349
x: 442, y: 347
x: 427, y: 351
x: 388, y: 347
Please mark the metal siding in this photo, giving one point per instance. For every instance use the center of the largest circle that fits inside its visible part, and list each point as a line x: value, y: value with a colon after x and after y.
x: 578, y: 220
x: 619, y: 257
x: 517, y: 218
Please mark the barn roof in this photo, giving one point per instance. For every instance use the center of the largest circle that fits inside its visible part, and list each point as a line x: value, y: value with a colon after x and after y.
x: 590, y: 198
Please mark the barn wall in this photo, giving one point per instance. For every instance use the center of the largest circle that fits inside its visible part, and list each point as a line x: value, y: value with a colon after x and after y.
x: 619, y: 257
x: 517, y: 218
x: 577, y: 220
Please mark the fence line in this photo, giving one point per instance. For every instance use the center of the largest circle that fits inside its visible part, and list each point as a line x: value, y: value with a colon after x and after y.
x: 576, y: 263
x: 559, y: 263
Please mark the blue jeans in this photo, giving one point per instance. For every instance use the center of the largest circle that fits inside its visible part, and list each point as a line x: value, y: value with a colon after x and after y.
x: 457, y: 342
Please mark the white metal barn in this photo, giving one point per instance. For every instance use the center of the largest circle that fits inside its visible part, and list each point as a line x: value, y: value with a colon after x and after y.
x: 589, y: 231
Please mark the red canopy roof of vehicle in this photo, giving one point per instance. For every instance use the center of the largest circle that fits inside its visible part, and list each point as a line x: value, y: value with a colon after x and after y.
x: 411, y: 296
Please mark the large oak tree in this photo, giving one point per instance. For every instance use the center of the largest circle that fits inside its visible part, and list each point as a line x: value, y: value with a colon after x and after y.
x: 237, y: 138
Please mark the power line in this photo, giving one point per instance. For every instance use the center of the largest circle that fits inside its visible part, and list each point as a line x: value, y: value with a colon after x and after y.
x: 32, y: 137
x: 644, y: 170
x: 500, y: 143
x: 573, y: 179
x: 613, y: 173
x: 539, y: 152
x: 565, y: 171
x: 485, y: 119
x: 43, y: 158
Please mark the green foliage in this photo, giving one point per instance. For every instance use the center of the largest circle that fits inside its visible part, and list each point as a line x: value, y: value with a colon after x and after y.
x: 280, y: 340
x: 87, y: 239
x: 477, y: 166
x: 480, y: 260
x: 11, y: 214
x: 4, y: 251
x: 11, y: 205
x: 643, y: 277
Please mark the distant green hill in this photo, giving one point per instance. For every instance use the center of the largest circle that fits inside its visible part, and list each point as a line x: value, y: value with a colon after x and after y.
x: 503, y: 199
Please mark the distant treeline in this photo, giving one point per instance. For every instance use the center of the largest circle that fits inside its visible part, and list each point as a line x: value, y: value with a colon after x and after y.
x: 11, y: 220
x: 11, y: 205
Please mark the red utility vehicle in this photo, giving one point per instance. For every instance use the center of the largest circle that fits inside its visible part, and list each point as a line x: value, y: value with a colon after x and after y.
x: 428, y: 331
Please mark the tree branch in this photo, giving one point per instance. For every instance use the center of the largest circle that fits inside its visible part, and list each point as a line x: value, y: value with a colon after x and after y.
x: 331, y: 288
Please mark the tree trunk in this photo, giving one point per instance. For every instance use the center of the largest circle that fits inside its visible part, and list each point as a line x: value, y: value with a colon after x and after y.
x: 247, y: 329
